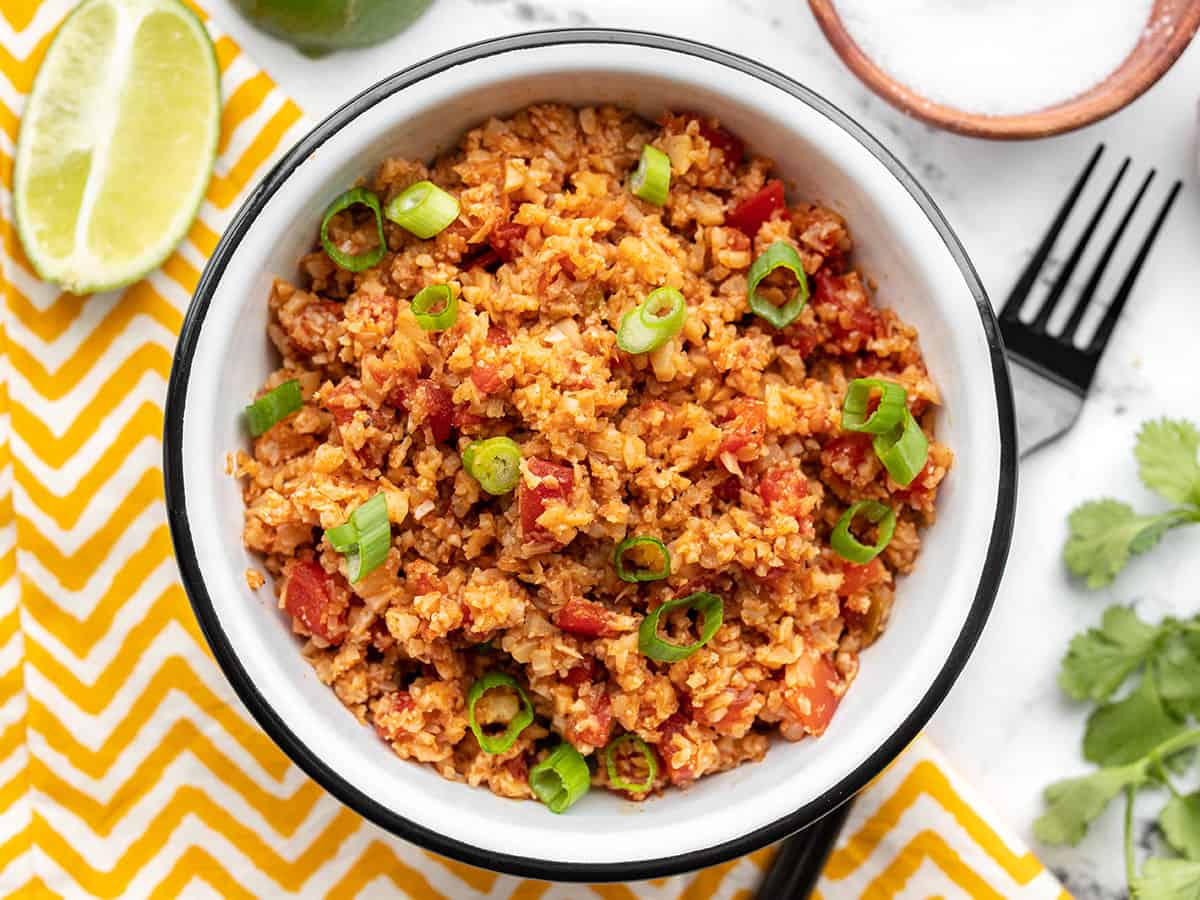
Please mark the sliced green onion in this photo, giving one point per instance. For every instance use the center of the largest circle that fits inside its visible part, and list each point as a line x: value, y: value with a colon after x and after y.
x: 848, y: 547
x: 654, y: 322
x: 343, y: 538
x: 903, y: 450
x: 274, y: 406
x: 439, y: 297
x: 652, y: 179
x: 561, y: 778
x: 522, y: 720
x: 886, y: 416
x: 365, y: 538
x: 495, y: 463
x: 780, y: 255
x: 610, y: 760
x: 355, y: 262
x: 710, y: 606
x: 423, y: 209
x: 636, y: 575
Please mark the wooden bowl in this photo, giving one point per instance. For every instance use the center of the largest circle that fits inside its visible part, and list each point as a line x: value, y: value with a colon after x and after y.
x: 1172, y: 25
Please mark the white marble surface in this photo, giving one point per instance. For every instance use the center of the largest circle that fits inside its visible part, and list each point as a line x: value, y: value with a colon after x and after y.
x: 1005, y: 725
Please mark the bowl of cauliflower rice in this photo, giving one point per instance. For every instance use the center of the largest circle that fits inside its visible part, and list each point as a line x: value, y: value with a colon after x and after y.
x: 590, y: 455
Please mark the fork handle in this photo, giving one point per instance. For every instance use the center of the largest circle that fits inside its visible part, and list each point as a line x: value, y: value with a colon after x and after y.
x: 798, y: 863
x: 1045, y: 407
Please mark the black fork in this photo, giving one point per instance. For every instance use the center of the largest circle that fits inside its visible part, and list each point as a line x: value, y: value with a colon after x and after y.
x: 1051, y: 375
x: 1052, y: 371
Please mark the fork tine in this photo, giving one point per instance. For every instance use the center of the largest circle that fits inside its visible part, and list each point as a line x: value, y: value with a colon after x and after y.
x: 1089, y: 289
x: 1109, y: 322
x: 1012, y: 306
x: 1064, y: 277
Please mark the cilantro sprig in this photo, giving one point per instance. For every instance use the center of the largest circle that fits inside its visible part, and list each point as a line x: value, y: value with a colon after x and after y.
x: 1136, y: 740
x: 1105, y: 533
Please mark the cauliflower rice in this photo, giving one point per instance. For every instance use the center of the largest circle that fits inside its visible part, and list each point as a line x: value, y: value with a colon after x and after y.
x: 725, y: 444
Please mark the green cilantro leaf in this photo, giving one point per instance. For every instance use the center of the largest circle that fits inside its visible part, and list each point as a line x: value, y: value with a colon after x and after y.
x: 1168, y: 879
x: 1129, y: 729
x: 1072, y: 804
x: 1167, y: 459
x: 1100, y: 659
x: 1180, y: 823
x: 1104, y: 533
x: 1177, y: 672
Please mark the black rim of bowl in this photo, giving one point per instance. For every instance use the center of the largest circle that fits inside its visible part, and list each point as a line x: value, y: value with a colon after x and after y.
x: 310, y: 761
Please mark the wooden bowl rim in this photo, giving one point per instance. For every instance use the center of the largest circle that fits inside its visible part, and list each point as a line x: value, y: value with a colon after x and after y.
x: 1067, y: 116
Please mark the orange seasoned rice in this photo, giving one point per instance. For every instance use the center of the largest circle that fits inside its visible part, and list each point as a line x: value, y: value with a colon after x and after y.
x: 725, y: 444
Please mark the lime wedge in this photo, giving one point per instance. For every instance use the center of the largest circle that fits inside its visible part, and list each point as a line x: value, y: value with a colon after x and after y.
x: 117, y: 142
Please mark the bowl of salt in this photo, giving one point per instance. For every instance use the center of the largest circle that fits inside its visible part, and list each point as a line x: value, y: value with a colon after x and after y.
x: 1008, y: 69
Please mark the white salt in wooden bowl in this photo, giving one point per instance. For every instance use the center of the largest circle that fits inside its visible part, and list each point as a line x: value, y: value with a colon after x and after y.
x: 1170, y: 29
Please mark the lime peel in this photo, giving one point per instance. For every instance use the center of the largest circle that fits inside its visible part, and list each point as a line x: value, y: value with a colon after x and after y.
x: 117, y: 142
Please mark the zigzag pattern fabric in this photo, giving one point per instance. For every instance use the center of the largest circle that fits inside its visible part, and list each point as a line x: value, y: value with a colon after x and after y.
x: 919, y: 830
x: 127, y: 766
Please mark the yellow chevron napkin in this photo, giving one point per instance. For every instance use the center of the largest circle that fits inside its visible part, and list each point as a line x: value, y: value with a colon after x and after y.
x: 127, y: 766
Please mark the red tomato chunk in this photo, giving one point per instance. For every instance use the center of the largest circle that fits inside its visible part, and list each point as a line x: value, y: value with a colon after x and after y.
x: 556, y: 485
x: 308, y: 596
x: 587, y: 672
x: 858, y: 578
x: 784, y: 487
x: 486, y: 378
x: 503, y: 239
x: 583, y: 619
x: 758, y: 208
x: 813, y: 705
x: 853, y: 448
x: 675, y: 724
x: 744, y: 427
x: 438, y: 408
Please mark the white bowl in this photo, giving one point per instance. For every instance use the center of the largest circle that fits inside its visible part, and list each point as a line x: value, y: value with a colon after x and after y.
x: 904, y: 244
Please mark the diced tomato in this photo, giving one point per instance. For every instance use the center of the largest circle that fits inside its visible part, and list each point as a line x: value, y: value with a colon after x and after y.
x: 851, y: 447
x: 674, y: 724
x: 599, y: 723
x: 820, y: 694
x: 802, y: 337
x: 308, y: 596
x: 503, y: 239
x: 758, y: 208
x: 586, y: 672
x: 583, y: 618
x: 856, y: 321
x: 857, y: 578
x: 402, y: 393
x: 438, y: 408
x: 743, y: 428
x: 556, y: 485
x: 784, y: 487
x: 498, y: 336
x: 486, y: 378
